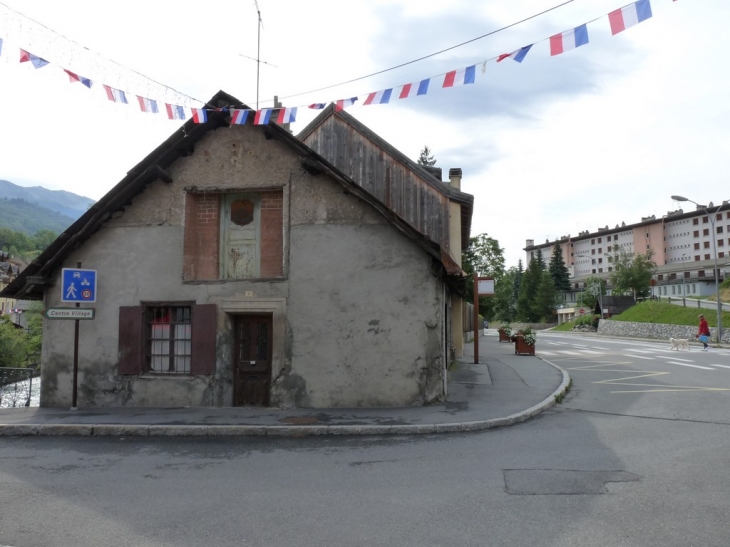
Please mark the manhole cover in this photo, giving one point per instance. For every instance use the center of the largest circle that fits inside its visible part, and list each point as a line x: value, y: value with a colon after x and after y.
x: 547, y: 482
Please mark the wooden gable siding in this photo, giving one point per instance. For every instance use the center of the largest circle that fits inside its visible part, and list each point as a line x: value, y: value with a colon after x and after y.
x: 409, y: 195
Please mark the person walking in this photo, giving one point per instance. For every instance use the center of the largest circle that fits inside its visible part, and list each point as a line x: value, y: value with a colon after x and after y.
x: 703, y: 333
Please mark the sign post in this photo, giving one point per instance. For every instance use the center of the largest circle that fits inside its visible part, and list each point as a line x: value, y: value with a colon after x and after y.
x: 77, y: 286
x: 483, y: 286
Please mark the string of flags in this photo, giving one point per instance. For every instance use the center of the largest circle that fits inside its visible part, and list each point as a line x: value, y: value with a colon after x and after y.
x: 619, y: 21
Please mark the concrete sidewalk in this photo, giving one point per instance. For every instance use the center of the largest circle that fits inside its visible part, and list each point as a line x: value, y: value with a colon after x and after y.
x: 503, y: 389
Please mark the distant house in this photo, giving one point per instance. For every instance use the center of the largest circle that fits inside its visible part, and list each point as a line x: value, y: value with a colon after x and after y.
x: 237, y: 266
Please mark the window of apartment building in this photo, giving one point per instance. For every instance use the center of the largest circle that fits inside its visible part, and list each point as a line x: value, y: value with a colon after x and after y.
x: 719, y: 229
x: 706, y: 244
x: 647, y: 234
x: 593, y: 271
x: 720, y: 242
x: 697, y: 258
x: 600, y: 270
x: 600, y: 261
x: 695, y: 221
x: 593, y: 241
x: 696, y: 233
x: 693, y: 288
x: 233, y: 235
x: 170, y: 338
x: 701, y: 273
x: 705, y: 232
x: 686, y: 275
x: 661, y: 277
x: 608, y: 249
x: 610, y: 269
x: 600, y: 250
x: 697, y: 246
x: 599, y: 240
x: 593, y: 261
x: 721, y: 254
x: 610, y: 259
x: 673, y: 289
x: 707, y: 257
x: 705, y: 220
x: 647, y: 247
x: 593, y: 251
x: 719, y: 216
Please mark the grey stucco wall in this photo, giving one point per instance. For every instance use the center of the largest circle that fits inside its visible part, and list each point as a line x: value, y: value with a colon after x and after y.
x: 658, y: 331
x: 358, y: 317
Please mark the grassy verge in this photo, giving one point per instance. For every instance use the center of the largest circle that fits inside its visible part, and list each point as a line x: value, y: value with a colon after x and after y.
x: 669, y: 314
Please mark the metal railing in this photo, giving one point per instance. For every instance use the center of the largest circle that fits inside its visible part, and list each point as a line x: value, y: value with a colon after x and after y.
x: 16, y: 385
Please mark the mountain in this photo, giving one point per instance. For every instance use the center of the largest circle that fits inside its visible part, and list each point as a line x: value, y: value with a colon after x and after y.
x: 31, y: 209
x: 66, y: 203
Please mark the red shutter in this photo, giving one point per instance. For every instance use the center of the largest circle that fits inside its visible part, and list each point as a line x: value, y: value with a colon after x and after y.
x: 205, y: 321
x: 131, y: 339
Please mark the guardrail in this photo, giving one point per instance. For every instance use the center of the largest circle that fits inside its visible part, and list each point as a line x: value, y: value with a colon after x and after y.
x: 693, y: 303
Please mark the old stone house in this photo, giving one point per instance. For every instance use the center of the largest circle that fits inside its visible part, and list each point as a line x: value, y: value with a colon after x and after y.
x: 236, y: 266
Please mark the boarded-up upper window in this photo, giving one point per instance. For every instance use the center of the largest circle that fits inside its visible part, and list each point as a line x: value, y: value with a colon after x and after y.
x: 242, y: 212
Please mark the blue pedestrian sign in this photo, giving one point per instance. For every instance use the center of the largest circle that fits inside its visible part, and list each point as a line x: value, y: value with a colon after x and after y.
x: 78, y: 285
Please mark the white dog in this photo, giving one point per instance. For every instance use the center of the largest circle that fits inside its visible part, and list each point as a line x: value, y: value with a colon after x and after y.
x: 679, y: 343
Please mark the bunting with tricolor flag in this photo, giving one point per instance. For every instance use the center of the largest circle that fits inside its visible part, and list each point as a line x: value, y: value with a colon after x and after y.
x: 36, y: 61
x: 175, y: 112
x: 287, y: 115
x: 262, y: 116
x: 570, y: 39
x: 238, y: 116
x: 115, y: 95
x: 460, y: 77
x: 199, y: 115
x: 379, y: 97
x: 147, y: 105
x: 344, y: 103
x: 628, y: 16
x: 76, y: 78
x: 517, y: 55
x: 414, y: 89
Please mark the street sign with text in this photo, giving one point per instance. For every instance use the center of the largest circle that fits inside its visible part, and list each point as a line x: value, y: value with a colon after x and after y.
x: 70, y: 313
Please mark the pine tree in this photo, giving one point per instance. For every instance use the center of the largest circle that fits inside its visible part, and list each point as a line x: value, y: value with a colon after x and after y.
x: 526, y: 302
x: 426, y: 158
x: 545, y: 298
x: 558, y: 270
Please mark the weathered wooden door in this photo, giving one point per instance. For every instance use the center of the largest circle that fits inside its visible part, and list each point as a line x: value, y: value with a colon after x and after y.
x: 240, y: 241
x: 252, y: 366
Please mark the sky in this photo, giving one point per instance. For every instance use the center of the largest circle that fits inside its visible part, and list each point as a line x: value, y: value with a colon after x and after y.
x: 602, y: 134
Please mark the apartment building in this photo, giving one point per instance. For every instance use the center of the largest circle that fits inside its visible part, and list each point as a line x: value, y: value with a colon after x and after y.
x: 684, y: 245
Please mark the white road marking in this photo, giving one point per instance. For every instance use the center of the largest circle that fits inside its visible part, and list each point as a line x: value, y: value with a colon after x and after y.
x: 639, y: 350
x: 639, y: 357
x: 592, y: 352
x: 686, y: 365
x: 569, y: 352
x: 723, y: 366
x: 685, y: 360
x: 595, y: 347
x: 546, y: 353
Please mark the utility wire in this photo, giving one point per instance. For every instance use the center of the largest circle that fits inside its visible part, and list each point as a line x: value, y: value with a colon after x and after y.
x: 432, y: 54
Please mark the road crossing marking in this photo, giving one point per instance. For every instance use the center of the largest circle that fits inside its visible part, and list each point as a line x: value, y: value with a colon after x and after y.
x: 640, y: 350
x: 644, y: 374
x: 547, y: 353
x: 639, y: 357
x: 723, y: 366
x: 592, y: 352
x: 684, y: 360
x: 595, y: 347
x: 688, y: 365
x: 569, y: 352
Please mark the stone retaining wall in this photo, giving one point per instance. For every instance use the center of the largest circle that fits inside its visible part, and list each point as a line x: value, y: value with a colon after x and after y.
x: 658, y: 331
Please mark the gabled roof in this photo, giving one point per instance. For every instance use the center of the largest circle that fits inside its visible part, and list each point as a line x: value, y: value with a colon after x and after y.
x: 36, y: 277
x: 465, y: 200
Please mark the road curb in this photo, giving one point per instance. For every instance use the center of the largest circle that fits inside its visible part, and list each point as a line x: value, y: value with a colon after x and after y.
x: 132, y: 430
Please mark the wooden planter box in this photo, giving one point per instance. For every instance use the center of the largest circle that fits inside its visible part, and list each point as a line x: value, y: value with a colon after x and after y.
x: 503, y: 337
x: 521, y: 347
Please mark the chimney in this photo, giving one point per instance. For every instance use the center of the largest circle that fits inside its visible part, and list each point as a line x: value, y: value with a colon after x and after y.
x: 529, y: 242
x: 278, y: 105
x: 455, y: 177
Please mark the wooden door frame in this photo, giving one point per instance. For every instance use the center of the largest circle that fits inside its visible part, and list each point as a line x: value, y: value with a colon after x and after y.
x: 268, y: 319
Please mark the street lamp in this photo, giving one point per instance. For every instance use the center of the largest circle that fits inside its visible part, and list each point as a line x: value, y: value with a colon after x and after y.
x: 715, y: 272
x: 684, y: 290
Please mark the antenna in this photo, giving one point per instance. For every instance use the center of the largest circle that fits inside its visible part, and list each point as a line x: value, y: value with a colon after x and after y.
x: 258, y: 52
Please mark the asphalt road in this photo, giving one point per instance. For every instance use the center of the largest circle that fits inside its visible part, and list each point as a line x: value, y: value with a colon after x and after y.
x: 637, y: 455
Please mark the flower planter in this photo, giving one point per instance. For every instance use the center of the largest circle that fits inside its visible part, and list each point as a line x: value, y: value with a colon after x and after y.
x: 504, y: 337
x: 522, y: 347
